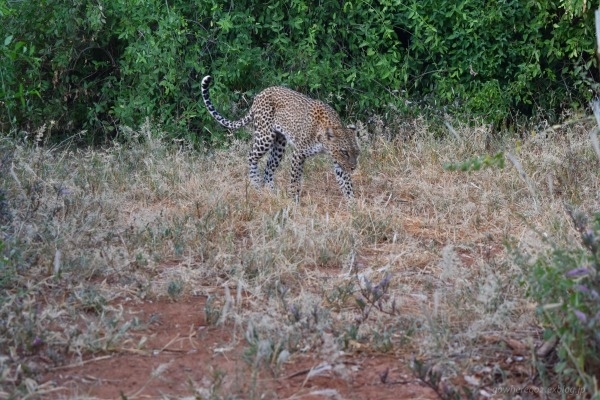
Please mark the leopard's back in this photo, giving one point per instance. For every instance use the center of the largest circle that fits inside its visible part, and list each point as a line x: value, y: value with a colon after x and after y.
x: 299, y: 116
x: 281, y: 115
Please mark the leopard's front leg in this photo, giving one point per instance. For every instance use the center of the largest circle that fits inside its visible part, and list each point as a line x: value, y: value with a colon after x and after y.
x: 298, y: 159
x: 344, y: 181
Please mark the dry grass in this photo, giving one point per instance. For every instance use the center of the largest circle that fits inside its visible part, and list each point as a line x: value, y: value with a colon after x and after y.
x: 84, y: 228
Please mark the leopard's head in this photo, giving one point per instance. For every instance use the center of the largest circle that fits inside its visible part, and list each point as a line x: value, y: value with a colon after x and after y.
x: 343, y: 147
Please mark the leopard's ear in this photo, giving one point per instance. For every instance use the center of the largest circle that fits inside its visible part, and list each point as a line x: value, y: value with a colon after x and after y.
x: 329, y: 133
x: 353, y: 127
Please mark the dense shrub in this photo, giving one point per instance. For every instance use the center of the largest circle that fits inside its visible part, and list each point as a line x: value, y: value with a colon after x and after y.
x: 565, y: 283
x: 94, y: 65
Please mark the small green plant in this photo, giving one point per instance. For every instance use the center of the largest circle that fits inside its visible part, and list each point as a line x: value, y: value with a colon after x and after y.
x: 477, y: 163
x: 382, y: 338
x: 262, y: 349
x: 565, y: 282
x: 174, y: 288
x: 338, y: 297
x: 375, y: 297
x: 369, y: 298
x: 90, y: 300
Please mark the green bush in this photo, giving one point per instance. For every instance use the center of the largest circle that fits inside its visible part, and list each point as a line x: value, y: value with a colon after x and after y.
x: 93, y: 66
x: 565, y: 282
x: 17, y: 89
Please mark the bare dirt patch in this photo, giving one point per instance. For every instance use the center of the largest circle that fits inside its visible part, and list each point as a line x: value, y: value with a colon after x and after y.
x: 182, y: 356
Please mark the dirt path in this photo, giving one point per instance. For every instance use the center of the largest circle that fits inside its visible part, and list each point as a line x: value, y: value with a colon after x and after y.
x: 176, y: 355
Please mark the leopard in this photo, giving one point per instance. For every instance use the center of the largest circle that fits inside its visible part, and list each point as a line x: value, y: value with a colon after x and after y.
x: 280, y: 116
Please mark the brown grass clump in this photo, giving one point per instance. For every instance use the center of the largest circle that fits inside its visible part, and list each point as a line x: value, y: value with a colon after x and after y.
x: 417, y: 267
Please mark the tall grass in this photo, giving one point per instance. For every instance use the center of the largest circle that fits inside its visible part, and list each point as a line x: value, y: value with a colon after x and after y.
x: 416, y: 266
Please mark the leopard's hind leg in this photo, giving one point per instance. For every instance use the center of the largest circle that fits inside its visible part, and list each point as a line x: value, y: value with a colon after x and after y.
x: 275, y: 156
x: 264, y: 138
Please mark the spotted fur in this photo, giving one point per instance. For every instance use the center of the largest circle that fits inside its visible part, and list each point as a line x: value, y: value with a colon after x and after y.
x: 280, y: 116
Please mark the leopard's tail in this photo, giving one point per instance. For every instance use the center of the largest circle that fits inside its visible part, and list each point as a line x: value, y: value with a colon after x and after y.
x: 211, y: 109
